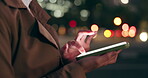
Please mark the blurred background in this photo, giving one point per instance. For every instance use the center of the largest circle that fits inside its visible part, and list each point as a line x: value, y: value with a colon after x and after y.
x: 115, y: 21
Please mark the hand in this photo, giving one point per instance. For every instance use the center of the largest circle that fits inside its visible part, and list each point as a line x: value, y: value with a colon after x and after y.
x: 93, y: 62
x: 70, y: 50
x: 84, y: 38
x: 74, y: 47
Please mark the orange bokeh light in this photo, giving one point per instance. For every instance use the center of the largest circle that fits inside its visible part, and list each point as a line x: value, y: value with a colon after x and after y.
x: 62, y: 31
x: 94, y: 27
x: 132, y: 31
x: 133, y: 28
x: 125, y: 33
x: 125, y: 27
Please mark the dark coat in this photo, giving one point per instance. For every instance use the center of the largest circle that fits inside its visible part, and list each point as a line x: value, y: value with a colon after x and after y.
x: 29, y: 46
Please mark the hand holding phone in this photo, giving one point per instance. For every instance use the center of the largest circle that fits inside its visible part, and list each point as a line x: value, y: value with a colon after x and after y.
x: 114, y: 47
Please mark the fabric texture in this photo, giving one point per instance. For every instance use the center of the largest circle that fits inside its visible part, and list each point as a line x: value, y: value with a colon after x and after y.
x: 29, y: 46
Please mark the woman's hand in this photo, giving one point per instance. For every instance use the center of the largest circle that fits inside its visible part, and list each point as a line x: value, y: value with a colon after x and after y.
x: 70, y: 50
x: 93, y: 62
x: 81, y: 44
x: 84, y: 38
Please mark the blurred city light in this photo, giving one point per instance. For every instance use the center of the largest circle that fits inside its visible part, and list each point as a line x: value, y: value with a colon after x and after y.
x: 40, y: 0
x: 143, y: 36
x: 52, y: 1
x: 133, y: 28
x: 125, y: 33
x: 62, y: 30
x: 108, y: 33
x: 118, y: 33
x: 60, y: 2
x: 72, y: 23
x: 132, y: 31
x: 84, y: 13
x: 83, y: 18
x: 117, y: 21
x: 77, y: 2
x: 125, y: 27
x: 57, y: 7
x: 125, y: 1
x: 94, y: 27
x: 58, y: 13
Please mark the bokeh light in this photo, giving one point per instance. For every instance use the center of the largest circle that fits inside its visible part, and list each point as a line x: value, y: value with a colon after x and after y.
x: 94, y: 27
x: 52, y: 1
x: 125, y: 1
x: 58, y: 13
x: 84, y: 13
x: 77, y: 2
x: 108, y: 33
x: 60, y: 2
x: 62, y: 30
x: 132, y: 31
x: 125, y: 33
x: 125, y: 27
x: 72, y: 23
x: 117, y: 21
x: 83, y: 18
x: 118, y: 33
x: 143, y: 36
x: 133, y: 28
x: 40, y: 0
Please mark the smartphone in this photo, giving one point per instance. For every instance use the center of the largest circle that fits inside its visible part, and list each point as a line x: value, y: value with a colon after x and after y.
x: 103, y: 50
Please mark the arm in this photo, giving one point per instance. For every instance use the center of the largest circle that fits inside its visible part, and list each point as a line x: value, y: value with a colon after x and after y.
x: 78, y: 69
x: 5, y: 52
x: 75, y: 69
x: 72, y: 70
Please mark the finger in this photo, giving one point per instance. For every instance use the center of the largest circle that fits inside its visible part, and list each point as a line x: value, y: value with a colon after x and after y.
x: 89, y: 39
x: 119, y: 51
x: 81, y: 33
x: 77, y: 46
x: 66, y: 47
x: 113, y: 59
x: 106, y: 59
x: 80, y: 48
x: 107, y: 56
x: 83, y: 38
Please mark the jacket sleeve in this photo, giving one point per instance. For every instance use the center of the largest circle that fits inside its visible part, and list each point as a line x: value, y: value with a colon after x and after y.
x: 6, y: 68
x: 72, y: 70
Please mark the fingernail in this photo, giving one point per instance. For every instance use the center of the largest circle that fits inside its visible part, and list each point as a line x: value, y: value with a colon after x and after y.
x: 82, y: 51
